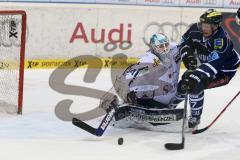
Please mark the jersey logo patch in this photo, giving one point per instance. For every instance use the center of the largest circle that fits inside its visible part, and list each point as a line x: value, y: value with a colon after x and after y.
x: 213, y: 56
x: 218, y: 43
x: 156, y: 62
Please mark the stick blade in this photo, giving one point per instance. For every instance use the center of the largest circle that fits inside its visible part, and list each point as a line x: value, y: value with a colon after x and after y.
x: 197, y: 131
x: 174, y: 146
x: 84, y: 126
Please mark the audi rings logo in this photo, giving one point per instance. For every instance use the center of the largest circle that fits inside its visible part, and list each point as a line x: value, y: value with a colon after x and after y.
x: 10, y: 32
x: 124, y: 45
x: 173, y: 31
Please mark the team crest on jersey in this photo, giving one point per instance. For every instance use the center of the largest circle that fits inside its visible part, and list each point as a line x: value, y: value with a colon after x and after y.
x: 213, y: 56
x: 218, y: 43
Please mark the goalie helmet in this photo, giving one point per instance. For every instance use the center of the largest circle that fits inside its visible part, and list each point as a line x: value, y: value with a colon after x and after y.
x: 211, y: 16
x: 159, y: 43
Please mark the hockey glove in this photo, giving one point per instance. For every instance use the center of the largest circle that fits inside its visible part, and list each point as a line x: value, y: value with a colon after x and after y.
x: 193, y: 81
x: 190, y: 62
x: 187, y: 53
x: 108, y: 101
x: 131, y: 97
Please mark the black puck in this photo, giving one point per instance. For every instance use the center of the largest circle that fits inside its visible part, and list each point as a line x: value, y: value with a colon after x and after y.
x: 120, y: 141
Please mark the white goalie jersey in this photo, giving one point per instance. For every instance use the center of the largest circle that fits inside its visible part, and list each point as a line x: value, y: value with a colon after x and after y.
x: 150, y: 78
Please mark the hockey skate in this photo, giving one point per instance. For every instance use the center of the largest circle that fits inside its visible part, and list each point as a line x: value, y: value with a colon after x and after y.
x: 193, y: 123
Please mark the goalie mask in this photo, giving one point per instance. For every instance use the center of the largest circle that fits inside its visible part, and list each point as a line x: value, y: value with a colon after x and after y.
x: 159, y: 43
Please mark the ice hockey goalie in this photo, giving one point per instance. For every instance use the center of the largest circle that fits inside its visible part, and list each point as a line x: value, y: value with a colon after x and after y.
x: 145, y: 89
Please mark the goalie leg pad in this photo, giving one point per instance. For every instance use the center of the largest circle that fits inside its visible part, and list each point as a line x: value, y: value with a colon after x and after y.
x: 129, y: 115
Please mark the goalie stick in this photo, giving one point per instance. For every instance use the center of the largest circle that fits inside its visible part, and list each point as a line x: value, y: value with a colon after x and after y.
x: 95, y: 131
x: 224, y: 109
x: 178, y: 146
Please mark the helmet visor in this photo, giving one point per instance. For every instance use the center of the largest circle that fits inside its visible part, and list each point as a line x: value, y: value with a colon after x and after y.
x: 161, y: 48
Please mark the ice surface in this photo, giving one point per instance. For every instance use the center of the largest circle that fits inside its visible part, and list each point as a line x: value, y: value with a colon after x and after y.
x: 38, y: 134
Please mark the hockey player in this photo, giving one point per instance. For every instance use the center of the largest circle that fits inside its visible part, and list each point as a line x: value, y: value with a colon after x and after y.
x: 151, y: 83
x: 209, y: 44
x: 238, y: 16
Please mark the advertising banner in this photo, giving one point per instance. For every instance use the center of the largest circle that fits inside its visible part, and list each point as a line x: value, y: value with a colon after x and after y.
x: 125, y: 31
x: 117, y: 1
x: 24, y: 1
x: 74, y: 1
x: 232, y: 3
x: 61, y: 31
x: 202, y: 3
x: 178, y: 3
x: 66, y: 1
x: 159, y: 2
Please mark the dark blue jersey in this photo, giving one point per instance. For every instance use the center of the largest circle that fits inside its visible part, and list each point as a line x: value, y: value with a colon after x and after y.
x: 216, y: 53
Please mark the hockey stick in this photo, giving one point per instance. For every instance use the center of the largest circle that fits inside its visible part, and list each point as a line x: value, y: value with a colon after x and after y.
x: 205, y: 128
x: 178, y: 146
x: 95, y: 131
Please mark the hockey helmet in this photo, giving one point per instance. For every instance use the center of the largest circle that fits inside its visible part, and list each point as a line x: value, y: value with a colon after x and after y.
x: 159, y: 43
x: 211, y: 16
